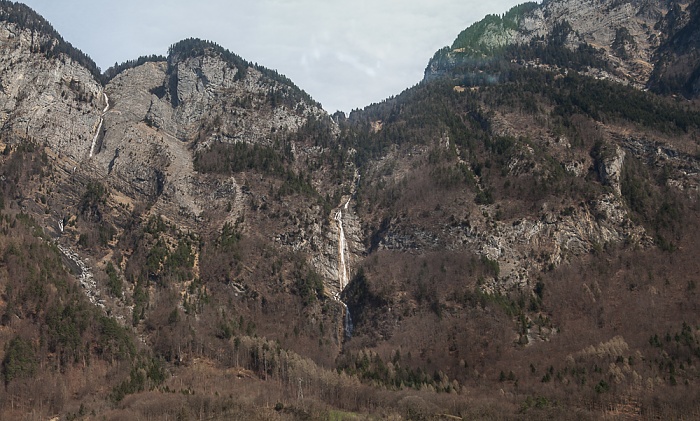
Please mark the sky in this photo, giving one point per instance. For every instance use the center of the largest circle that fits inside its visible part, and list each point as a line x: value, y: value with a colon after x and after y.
x: 345, y: 54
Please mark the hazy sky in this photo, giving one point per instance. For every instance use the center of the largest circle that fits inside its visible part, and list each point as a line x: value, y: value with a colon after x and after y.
x: 346, y: 54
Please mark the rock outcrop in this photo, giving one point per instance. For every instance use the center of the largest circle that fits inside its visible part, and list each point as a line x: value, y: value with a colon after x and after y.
x: 50, y: 100
x: 625, y: 35
x: 164, y: 112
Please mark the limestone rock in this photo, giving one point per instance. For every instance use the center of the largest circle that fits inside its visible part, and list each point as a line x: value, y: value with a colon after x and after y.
x: 623, y: 31
x: 53, y: 100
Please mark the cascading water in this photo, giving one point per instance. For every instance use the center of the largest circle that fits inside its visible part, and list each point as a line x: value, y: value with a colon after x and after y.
x: 347, y: 321
x: 342, y: 268
x: 94, y: 139
x: 99, y: 126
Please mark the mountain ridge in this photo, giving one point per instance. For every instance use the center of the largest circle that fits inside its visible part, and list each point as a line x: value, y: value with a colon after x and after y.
x: 621, y: 36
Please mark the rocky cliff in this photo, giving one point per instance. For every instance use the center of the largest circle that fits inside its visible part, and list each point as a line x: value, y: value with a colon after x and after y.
x: 49, y: 100
x: 163, y: 113
x: 630, y: 40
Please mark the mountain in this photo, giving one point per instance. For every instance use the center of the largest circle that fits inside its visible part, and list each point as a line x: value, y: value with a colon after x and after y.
x: 647, y: 44
x: 194, y: 237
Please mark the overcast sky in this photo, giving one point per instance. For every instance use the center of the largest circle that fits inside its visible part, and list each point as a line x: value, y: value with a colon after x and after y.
x: 346, y: 54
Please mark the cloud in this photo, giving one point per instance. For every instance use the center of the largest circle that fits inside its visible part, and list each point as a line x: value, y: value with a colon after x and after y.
x: 356, y: 64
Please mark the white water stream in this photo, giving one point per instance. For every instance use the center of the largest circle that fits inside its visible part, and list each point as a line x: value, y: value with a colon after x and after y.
x: 342, y: 268
x: 347, y: 321
x: 86, y: 279
x: 99, y: 126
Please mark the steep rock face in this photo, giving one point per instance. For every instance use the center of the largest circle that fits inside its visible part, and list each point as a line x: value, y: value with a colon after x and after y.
x: 238, y: 100
x: 624, y: 34
x: 163, y: 112
x: 326, y: 257
x: 46, y: 99
x: 130, y: 150
x: 677, y: 69
x: 623, y: 30
x: 610, y: 169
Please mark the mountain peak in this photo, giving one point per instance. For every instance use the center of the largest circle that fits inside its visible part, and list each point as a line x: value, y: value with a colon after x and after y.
x: 617, y: 40
x: 51, y: 44
x: 196, y: 47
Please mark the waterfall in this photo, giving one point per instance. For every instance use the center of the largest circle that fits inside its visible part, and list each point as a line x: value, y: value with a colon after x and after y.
x: 347, y: 321
x: 94, y: 139
x: 106, y: 104
x: 99, y: 126
x: 342, y: 268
